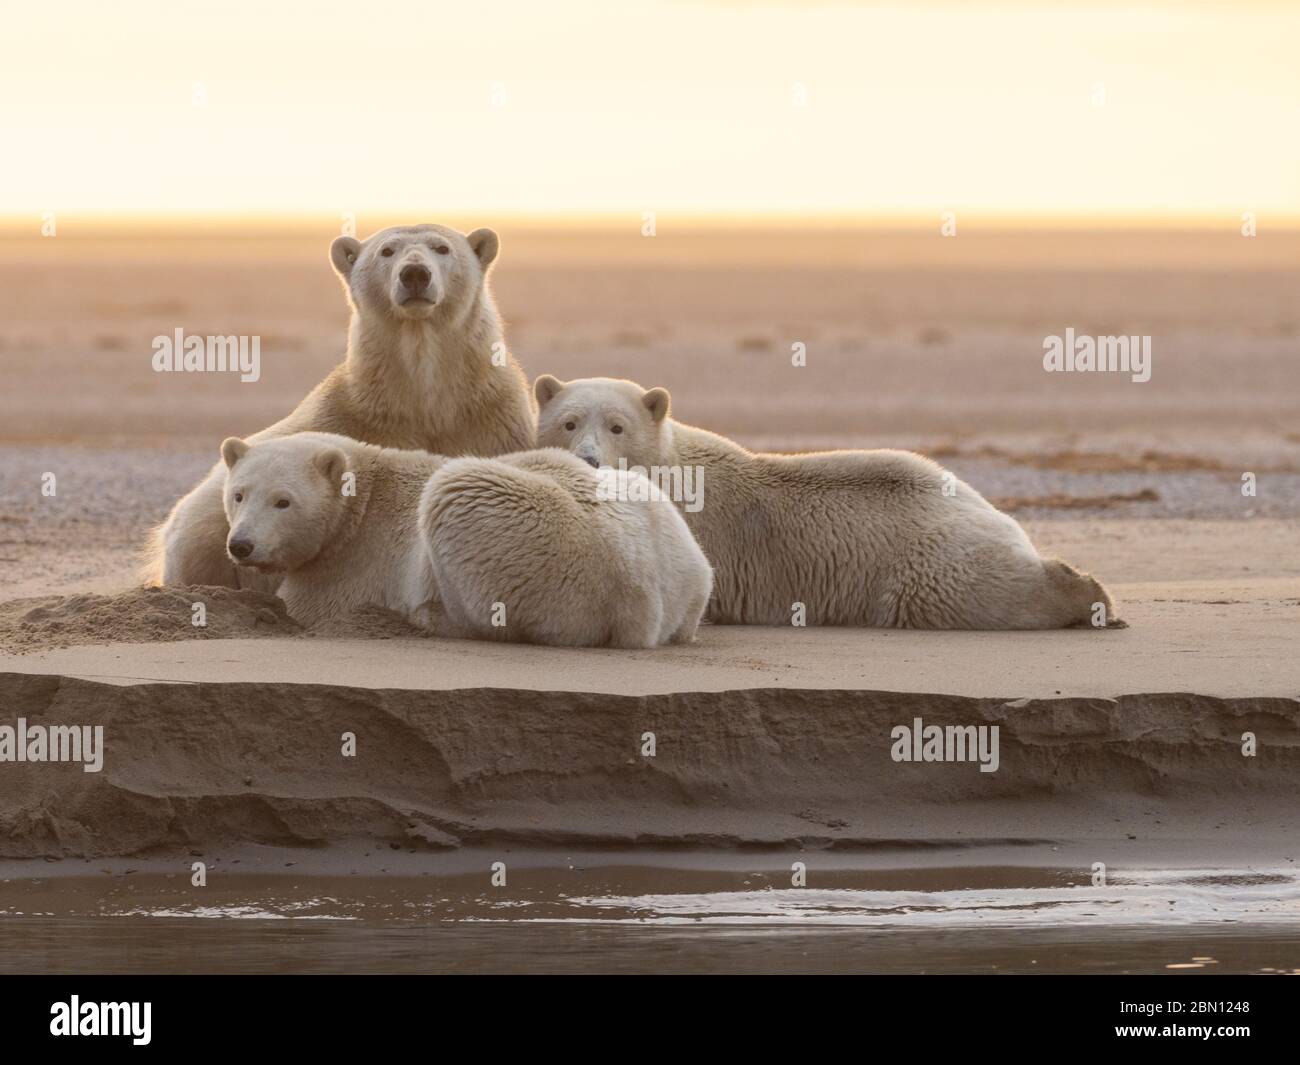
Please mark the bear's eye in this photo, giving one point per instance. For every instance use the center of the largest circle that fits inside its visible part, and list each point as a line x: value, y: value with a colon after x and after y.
x: 442, y: 249
x: 616, y: 429
x: 239, y: 497
x: 570, y: 426
x: 281, y: 504
x: 386, y: 252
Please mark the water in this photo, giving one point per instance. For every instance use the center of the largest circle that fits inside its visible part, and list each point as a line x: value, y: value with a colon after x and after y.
x: 630, y: 918
x: 179, y: 945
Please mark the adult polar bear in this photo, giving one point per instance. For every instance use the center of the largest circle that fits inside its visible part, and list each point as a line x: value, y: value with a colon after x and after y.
x: 875, y: 538
x: 524, y: 547
x: 426, y: 368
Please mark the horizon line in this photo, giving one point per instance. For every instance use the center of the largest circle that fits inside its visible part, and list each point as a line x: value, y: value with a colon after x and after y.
x: 987, y: 221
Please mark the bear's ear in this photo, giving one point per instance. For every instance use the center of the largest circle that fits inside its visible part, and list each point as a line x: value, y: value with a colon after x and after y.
x: 232, y: 450
x: 657, y: 402
x: 485, y: 244
x: 545, y: 388
x: 332, y: 463
x: 343, y: 254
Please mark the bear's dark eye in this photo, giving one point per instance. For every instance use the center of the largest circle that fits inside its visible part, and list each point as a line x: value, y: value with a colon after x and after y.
x: 442, y: 249
x: 570, y: 426
x: 239, y: 497
x: 616, y: 429
x: 281, y: 504
x: 386, y: 252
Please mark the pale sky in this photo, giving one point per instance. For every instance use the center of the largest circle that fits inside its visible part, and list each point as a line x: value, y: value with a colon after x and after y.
x: 616, y: 107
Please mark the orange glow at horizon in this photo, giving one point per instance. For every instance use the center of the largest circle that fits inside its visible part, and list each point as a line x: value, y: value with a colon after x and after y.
x: 583, y: 108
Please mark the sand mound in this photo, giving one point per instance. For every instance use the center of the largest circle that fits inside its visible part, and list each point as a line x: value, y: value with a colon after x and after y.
x: 162, y: 615
x: 141, y: 615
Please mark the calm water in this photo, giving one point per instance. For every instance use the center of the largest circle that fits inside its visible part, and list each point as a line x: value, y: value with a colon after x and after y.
x: 178, y: 945
x: 632, y: 919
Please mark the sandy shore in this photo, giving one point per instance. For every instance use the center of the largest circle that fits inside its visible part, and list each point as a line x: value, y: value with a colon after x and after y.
x: 204, y: 764
x: 1097, y: 513
x: 911, y: 339
x: 1163, y: 650
x: 770, y: 737
x: 225, y: 740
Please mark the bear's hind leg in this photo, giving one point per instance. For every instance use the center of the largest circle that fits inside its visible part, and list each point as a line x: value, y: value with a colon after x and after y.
x: 691, y: 620
x: 1052, y: 595
x: 193, y: 539
x: 637, y: 623
x: 1079, y: 597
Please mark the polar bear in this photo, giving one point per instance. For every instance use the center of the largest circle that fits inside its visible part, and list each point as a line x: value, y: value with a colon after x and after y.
x: 523, y: 547
x: 541, y: 548
x: 872, y: 538
x: 426, y: 368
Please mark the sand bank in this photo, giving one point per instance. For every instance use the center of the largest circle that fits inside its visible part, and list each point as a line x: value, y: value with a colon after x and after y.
x: 762, y: 738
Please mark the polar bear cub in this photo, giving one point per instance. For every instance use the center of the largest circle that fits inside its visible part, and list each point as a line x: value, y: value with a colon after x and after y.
x: 333, y: 519
x: 541, y: 547
x: 874, y: 538
x: 525, y: 547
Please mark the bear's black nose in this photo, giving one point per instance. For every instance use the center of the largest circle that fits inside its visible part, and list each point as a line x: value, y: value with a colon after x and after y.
x: 590, y: 460
x: 414, y: 278
x: 241, y: 548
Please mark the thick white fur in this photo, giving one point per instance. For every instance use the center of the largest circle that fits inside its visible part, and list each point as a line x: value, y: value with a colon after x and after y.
x: 874, y: 538
x: 570, y: 562
x: 456, y: 544
x: 430, y: 374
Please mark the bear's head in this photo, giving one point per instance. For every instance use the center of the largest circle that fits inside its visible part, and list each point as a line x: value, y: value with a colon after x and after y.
x: 602, y: 419
x: 414, y: 272
x: 284, y: 500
